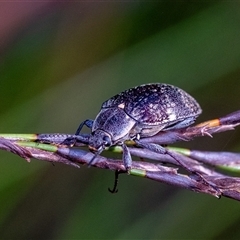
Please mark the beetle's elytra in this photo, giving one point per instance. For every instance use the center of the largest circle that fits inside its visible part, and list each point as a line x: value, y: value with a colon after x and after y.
x: 140, y: 112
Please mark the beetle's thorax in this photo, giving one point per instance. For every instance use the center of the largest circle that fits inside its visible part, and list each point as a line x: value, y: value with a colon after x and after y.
x: 113, y: 123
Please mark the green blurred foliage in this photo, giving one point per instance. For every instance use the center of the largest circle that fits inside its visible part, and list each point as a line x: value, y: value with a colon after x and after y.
x: 57, y: 68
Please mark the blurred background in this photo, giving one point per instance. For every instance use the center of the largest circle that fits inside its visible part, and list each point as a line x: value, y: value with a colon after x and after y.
x: 60, y: 61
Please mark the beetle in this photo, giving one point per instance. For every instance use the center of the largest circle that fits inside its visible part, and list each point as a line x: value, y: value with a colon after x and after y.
x: 140, y: 112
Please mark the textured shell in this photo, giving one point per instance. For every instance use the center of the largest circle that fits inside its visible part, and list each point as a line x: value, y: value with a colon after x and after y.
x: 155, y: 104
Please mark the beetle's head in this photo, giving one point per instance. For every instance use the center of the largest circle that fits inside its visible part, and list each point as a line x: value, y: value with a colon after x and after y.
x: 99, y: 140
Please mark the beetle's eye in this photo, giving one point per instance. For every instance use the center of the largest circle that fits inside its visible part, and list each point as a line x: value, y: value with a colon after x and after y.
x: 107, y: 141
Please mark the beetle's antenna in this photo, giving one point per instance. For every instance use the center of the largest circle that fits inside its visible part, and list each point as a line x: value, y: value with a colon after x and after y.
x: 95, y: 155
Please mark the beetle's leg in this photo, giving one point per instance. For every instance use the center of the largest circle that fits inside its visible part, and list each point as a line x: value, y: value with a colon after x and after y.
x: 72, y: 140
x: 159, y: 149
x: 182, y: 124
x: 115, y: 190
x: 87, y: 122
x: 177, y: 157
x: 127, y: 159
x: 151, y: 146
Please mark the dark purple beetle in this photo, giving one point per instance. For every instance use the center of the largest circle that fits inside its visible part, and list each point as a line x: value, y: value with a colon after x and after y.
x: 140, y: 112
